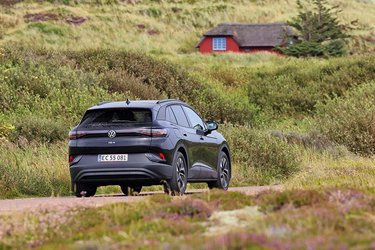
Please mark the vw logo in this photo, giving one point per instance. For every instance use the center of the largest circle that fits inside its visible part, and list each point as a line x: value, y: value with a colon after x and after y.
x: 111, y: 134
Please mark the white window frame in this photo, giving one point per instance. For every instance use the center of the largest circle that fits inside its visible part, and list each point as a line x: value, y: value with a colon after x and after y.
x: 219, y: 43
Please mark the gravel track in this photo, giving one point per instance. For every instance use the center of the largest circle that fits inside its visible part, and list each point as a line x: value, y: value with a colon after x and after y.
x: 66, y: 203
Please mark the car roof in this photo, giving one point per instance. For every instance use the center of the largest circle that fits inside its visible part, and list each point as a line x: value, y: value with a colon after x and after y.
x: 133, y: 104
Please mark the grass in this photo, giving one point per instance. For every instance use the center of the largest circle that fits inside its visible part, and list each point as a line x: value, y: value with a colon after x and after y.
x: 321, y: 171
x: 123, y: 26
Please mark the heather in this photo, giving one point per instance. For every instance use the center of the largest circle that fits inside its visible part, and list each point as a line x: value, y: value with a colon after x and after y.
x: 330, y: 218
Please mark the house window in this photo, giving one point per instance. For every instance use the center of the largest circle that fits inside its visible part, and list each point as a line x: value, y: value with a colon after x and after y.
x: 219, y: 43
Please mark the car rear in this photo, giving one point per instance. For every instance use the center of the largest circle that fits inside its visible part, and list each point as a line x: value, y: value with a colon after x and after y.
x: 112, y: 146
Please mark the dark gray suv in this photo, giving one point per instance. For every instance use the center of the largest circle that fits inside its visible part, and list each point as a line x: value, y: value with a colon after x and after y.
x: 142, y: 143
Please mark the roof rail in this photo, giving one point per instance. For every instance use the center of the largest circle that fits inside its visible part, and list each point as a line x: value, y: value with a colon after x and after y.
x: 167, y: 100
x: 101, y: 103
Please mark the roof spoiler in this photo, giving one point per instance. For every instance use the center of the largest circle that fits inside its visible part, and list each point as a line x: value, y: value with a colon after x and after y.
x: 101, y: 103
x: 167, y: 100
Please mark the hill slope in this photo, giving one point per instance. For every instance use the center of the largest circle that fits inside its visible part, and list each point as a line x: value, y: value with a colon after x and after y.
x: 154, y: 26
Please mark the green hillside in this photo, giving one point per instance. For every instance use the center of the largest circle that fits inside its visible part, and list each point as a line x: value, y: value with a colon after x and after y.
x: 158, y: 27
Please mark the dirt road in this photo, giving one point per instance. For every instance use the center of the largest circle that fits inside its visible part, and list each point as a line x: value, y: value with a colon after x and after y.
x: 66, y: 203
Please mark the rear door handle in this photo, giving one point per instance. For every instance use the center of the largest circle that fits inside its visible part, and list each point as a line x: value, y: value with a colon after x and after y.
x: 202, y: 138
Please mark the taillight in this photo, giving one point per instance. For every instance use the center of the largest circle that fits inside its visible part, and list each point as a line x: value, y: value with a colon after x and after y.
x: 71, y: 158
x: 73, y: 135
x: 154, y: 132
x: 162, y: 156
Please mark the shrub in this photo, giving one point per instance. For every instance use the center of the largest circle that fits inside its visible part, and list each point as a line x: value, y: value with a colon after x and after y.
x: 297, y: 198
x: 350, y: 120
x: 122, y: 74
x: 295, y: 87
x: 260, y: 158
x: 6, y: 128
x: 40, y: 129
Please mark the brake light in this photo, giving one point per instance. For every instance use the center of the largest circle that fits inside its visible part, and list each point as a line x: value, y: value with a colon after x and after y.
x: 73, y: 135
x: 162, y: 156
x: 71, y: 158
x: 154, y: 132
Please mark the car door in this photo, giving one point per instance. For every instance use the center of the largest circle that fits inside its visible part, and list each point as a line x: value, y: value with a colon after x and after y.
x: 206, y: 150
x: 190, y: 140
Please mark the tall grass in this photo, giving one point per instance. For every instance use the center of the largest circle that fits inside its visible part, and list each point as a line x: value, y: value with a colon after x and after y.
x: 33, y: 170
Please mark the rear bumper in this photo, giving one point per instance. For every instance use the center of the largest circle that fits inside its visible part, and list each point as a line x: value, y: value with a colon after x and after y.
x: 141, y: 172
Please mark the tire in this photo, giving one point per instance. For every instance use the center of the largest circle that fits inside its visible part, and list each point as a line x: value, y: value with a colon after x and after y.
x: 137, y: 189
x: 85, y: 190
x: 125, y: 189
x: 178, y: 182
x: 224, y: 173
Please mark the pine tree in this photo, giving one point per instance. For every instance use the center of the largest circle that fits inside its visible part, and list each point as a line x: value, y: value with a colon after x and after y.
x: 319, y: 31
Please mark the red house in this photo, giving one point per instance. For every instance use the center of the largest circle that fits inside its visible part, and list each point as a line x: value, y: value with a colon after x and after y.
x: 245, y: 37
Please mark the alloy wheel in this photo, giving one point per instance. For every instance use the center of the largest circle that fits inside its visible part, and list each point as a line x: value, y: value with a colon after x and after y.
x: 181, y: 173
x: 224, y: 172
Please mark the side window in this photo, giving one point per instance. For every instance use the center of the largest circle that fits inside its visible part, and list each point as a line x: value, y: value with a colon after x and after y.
x: 195, y: 120
x: 169, y: 116
x: 180, y: 116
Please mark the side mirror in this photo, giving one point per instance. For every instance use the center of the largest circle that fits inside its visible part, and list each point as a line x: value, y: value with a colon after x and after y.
x: 211, y: 126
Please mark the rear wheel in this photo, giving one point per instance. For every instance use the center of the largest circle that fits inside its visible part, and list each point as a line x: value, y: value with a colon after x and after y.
x: 224, y: 173
x: 130, y: 190
x: 85, y: 190
x: 178, y: 182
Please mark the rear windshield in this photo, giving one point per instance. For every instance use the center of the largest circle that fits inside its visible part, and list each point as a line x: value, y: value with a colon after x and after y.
x: 116, y: 117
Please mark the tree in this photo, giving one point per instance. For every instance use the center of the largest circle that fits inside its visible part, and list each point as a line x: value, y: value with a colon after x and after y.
x: 319, y: 33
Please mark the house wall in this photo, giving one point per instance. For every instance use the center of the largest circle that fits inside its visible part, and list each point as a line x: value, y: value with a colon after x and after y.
x: 206, y: 46
x: 232, y: 46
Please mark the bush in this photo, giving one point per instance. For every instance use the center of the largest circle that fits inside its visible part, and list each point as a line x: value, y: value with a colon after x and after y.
x: 40, y: 130
x: 350, y: 120
x: 118, y: 74
x: 6, y: 128
x: 295, y: 87
x: 297, y: 198
x: 260, y: 158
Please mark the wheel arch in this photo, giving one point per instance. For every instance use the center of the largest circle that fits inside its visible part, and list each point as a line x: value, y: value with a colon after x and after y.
x: 181, y: 148
x: 226, y: 150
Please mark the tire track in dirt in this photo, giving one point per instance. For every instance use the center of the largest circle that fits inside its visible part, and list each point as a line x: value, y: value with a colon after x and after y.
x: 67, y: 203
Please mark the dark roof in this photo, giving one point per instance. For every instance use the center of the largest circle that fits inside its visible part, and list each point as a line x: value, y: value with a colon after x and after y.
x: 132, y: 104
x: 253, y: 34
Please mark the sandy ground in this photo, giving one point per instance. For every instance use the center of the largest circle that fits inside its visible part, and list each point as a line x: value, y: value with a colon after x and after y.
x: 51, y: 203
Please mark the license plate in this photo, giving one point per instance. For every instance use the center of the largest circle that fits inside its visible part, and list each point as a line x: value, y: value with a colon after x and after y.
x: 113, y: 157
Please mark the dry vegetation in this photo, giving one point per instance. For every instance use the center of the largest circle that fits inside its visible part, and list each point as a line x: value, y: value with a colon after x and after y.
x: 148, y: 25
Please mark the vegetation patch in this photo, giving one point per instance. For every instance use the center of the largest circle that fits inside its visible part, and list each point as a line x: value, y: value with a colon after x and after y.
x: 293, y: 220
x: 298, y: 85
x: 261, y: 157
x: 49, y: 29
x: 350, y: 120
